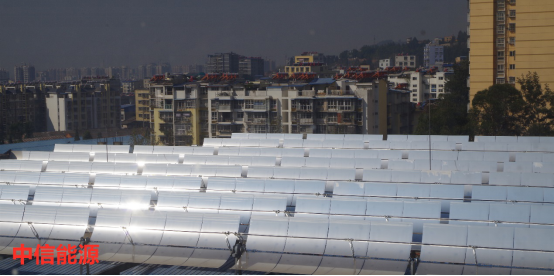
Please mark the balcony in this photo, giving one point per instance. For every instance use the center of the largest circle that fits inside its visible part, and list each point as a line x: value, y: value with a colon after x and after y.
x: 303, y: 108
x: 183, y: 120
x: 166, y: 119
x: 257, y: 121
x: 341, y: 108
x: 182, y: 132
x: 305, y: 121
x: 341, y: 93
x: 306, y: 93
x: 225, y: 120
x: 224, y: 108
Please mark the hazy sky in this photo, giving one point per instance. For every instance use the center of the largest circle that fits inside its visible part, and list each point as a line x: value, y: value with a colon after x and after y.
x: 88, y: 33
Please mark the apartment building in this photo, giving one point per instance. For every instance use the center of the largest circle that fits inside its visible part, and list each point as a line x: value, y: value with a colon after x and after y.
x: 405, y: 60
x: 174, y: 110
x: 322, y: 105
x: 509, y: 38
x: 250, y: 67
x: 22, y: 103
x: 4, y: 76
x: 129, y: 86
x: 384, y: 63
x: 422, y: 84
x: 91, y: 103
x: 433, y: 55
x: 142, y: 105
x: 223, y: 63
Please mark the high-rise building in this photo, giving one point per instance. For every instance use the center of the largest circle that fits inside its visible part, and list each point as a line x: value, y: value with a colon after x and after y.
x: 509, y: 38
x: 72, y: 74
x: 223, y: 63
x: 4, y: 75
x: 163, y: 68
x: 28, y: 73
x: 125, y: 73
x: 85, y: 71
x: 114, y: 72
x: 142, y: 104
x: 22, y: 104
x: 174, y: 110
x: 433, y: 54
x: 251, y: 67
x: 92, y: 102
x: 18, y: 74
x: 24, y: 74
x: 269, y: 66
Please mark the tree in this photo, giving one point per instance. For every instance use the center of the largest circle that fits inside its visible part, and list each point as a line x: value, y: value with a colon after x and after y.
x: 449, y: 114
x: 87, y: 135
x: 498, y: 111
x: 142, y: 136
x: 538, y: 111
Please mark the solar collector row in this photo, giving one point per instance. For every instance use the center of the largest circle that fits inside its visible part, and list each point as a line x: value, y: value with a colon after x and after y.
x: 20, y: 175
x: 479, y: 154
x: 174, y: 238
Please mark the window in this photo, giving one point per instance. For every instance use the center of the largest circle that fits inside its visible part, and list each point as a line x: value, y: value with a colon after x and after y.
x: 512, y: 13
x: 214, y: 116
x: 500, y: 80
x: 512, y: 2
x: 412, y: 63
x: 441, y: 78
x: 501, y: 4
x: 512, y: 53
x: 248, y: 104
x: 512, y: 66
x: 500, y: 42
x: 411, y: 58
x: 414, y: 94
x: 332, y: 118
x: 441, y: 85
x: 512, y: 27
x: 414, y: 85
x: 500, y: 29
x: 500, y: 16
x: 414, y: 99
x: 240, y: 115
x: 441, y: 90
x: 414, y: 78
x: 500, y: 68
x: 512, y: 41
x: 512, y: 80
x: 500, y: 54
x: 414, y: 90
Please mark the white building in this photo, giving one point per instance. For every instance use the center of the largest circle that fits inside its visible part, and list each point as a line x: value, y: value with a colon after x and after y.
x: 384, y: 63
x: 422, y: 85
x: 433, y: 55
x: 403, y: 60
